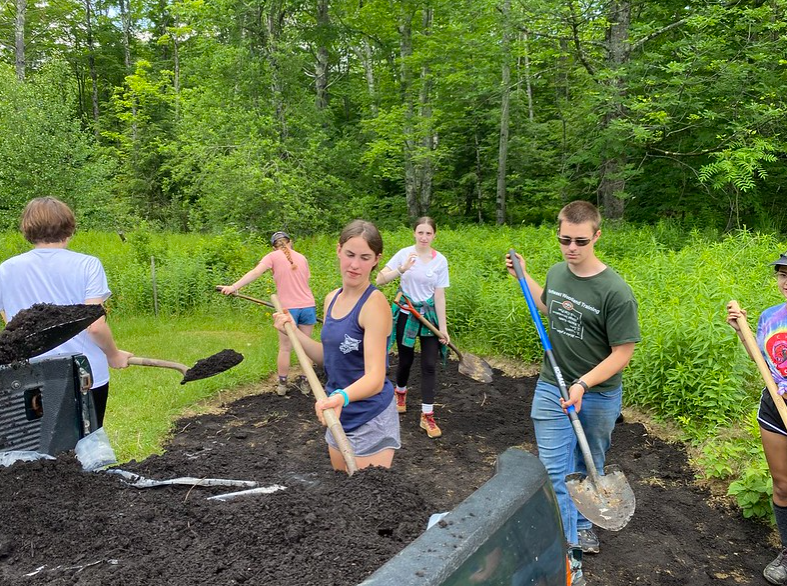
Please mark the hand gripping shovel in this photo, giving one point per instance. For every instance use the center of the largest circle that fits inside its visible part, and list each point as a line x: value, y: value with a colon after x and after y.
x: 606, y: 501
x: 751, y: 345
x: 255, y: 300
x: 334, y: 425
x: 204, y: 368
x: 469, y: 365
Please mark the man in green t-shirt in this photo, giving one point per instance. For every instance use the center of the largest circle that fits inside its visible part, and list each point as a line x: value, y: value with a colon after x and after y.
x: 592, y: 323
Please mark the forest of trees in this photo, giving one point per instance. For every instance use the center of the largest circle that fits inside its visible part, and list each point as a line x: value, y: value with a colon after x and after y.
x: 204, y: 114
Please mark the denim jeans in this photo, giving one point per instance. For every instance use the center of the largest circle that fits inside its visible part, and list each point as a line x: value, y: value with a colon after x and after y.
x: 557, y: 442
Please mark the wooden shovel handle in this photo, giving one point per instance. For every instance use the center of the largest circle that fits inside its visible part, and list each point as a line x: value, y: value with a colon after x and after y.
x: 140, y: 361
x: 751, y: 345
x: 334, y: 425
x: 427, y: 324
x: 247, y: 298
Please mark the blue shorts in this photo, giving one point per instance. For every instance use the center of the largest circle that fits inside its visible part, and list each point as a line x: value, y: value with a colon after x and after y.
x: 304, y: 316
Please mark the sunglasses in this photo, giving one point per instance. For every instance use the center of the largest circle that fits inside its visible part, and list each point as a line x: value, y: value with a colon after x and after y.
x: 567, y: 240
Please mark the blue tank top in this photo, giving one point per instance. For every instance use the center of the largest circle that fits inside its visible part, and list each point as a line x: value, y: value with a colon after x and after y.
x: 342, y: 347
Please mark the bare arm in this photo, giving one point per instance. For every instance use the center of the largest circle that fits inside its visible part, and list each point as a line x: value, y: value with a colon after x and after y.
x: 617, y: 360
x: 376, y: 321
x: 101, y: 334
x: 732, y: 319
x: 312, y: 347
x: 249, y: 277
x: 535, y: 289
x: 439, y: 305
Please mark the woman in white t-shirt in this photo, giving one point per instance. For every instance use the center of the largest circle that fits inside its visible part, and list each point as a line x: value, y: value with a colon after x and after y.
x: 424, y: 276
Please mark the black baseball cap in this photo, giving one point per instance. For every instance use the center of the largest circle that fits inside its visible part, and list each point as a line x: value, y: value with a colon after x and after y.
x: 277, y: 235
x: 780, y: 262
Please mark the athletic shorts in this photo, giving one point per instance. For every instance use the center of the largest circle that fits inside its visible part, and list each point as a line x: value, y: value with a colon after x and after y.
x: 304, y: 316
x: 374, y: 436
x: 768, y: 416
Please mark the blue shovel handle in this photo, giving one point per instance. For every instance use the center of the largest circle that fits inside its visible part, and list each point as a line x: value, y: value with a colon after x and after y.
x: 542, y: 333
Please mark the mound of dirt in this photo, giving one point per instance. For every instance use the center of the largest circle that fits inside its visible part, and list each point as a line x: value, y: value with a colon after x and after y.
x: 42, y: 327
x: 59, y: 525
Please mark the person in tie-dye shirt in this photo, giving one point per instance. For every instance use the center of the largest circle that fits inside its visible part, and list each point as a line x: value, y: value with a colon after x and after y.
x: 772, y: 341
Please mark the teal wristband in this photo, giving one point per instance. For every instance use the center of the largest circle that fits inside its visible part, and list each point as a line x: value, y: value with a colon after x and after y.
x: 343, y: 394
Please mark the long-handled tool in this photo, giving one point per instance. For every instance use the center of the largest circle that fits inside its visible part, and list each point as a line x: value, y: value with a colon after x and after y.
x: 204, y: 368
x: 334, y: 425
x: 751, y: 345
x: 469, y: 364
x: 255, y: 300
x: 606, y: 501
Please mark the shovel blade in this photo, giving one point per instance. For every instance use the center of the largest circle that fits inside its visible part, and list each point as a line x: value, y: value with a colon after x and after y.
x: 608, y: 504
x: 476, y: 368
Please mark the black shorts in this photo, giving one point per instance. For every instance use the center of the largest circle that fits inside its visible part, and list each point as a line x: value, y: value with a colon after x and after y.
x: 768, y: 416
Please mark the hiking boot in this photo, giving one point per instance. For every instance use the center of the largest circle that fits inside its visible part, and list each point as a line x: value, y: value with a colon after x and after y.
x: 588, y: 542
x: 281, y: 389
x: 401, y: 400
x: 776, y: 571
x: 303, y: 384
x: 575, y: 561
x: 428, y: 423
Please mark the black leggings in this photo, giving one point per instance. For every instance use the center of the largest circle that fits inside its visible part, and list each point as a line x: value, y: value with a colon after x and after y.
x: 100, y: 396
x: 430, y: 349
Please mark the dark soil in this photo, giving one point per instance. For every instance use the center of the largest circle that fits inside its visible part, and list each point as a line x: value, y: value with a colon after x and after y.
x: 64, y: 526
x: 212, y: 365
x: 42, y: 327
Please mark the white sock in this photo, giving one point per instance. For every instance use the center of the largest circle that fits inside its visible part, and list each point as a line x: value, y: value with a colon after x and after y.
x: 427, y: 408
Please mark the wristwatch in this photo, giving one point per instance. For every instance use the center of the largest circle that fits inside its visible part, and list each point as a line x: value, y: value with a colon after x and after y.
x: 579, y: 381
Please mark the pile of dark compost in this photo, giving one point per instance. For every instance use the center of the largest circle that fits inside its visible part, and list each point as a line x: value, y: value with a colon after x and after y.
x: 59, y: 525
x: 212, y: 365
x: 31, y: 329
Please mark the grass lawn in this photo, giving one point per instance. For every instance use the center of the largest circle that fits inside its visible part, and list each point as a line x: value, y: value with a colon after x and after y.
x: 144, y: 401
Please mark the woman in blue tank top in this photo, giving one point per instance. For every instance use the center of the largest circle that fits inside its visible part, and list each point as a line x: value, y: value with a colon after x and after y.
x: 353, y: 349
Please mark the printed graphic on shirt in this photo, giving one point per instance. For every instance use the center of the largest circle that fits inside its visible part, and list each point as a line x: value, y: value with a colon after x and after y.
x: 566, y: 314
x: 776, y: 347
x: 349, y: 344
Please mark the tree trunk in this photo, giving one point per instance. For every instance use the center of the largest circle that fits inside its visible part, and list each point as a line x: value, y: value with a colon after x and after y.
x: 176, y: 73
x: 478, y: 171
x: 273, y: 25
x: 424, y: 168
x: 19, y: 38
x: 528, y: 81
x: 405, y: 52
x: 502, y: 155
x: 322, y: 65
x: 612, y: 184
x: 91, y: 59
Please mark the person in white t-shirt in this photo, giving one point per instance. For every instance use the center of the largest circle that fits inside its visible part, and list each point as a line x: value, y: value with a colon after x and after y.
x: 423, y: 274
x: 50, y: 273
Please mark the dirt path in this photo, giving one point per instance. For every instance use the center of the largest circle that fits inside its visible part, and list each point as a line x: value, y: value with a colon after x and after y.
x: 68, y: 527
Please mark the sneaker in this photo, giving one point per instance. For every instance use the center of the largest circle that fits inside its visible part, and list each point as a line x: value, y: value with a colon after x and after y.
x: 588, y: 541
x: 776, y: 571
x: 401, y: 400
x: 428, y: 423
x: 281, y: 389
x: 575, y: 562
x: 303, y: 385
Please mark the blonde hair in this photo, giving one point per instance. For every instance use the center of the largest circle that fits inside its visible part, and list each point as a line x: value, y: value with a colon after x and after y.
x: 281, y: 244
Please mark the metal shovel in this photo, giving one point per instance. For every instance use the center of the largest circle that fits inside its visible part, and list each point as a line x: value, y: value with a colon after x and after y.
x: 469, y: 364
x: 204, y: 368
x: 606, y: 501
